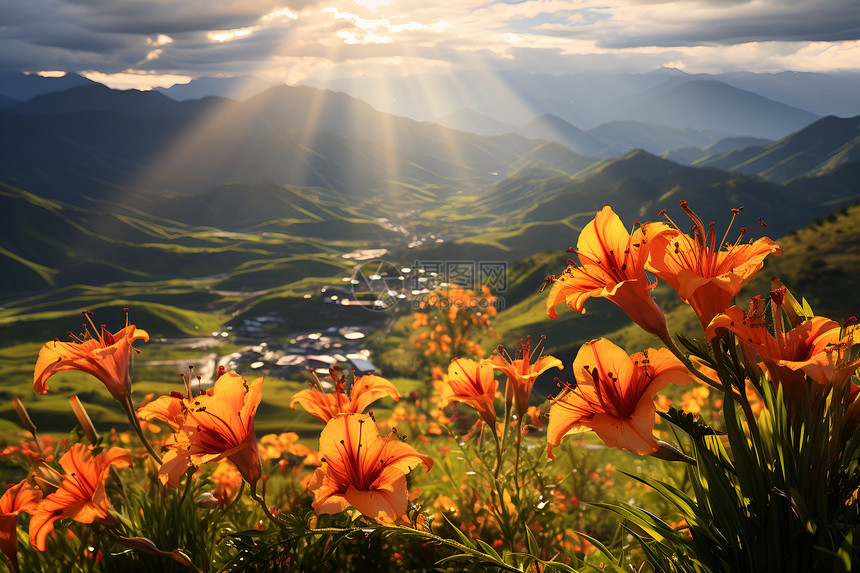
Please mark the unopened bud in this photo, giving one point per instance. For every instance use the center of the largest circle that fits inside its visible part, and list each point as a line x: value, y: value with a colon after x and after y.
x: 147, y: 546
x: 670, y: 453
x: 46, y: 478
x: 26, y: 422
x: 207, y: 500
x: 84, y: 420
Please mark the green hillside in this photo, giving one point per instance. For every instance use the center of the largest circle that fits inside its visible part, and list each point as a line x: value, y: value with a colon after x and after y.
x: 537, y: 209
x: 819, y: 148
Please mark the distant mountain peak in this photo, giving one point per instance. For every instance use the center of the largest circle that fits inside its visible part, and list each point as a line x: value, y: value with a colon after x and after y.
x: 552, y: 120
x: 712, y: 104
x: 98, y: 97
x: 21, y: 87
x: 237, y: 88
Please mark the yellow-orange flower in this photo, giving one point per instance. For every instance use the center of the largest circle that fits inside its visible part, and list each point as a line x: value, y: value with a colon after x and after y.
x: 17, y: 498
x: 208, y: 428
x: 522, y: 372
x: 706, y: 274
x: 227, y: 480
x: 273, y: 446
x: 362, y: 469
x: 81, y: 494
x: 32, y: 452
x: 817, y: 347
x: 472, y: 383
x: 614, y: 396
x: 102, y: 354
x: 364, y: 391
x: 612, y: 266
x: 692, y: 401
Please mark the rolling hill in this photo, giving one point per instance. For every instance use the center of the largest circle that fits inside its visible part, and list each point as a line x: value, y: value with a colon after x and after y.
x: 816, y: 149
x: 690, y: 155
x: 227, y: 204
x: 90, y: 140
x: 554, y: 128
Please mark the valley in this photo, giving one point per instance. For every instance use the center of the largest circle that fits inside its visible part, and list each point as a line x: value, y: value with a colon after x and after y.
x: 232, y: 229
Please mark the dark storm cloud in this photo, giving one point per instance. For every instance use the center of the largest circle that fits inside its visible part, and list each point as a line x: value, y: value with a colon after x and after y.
x: 177, y: 16
x: 79, y: 40
x: 111, y: 35
x: 145, y: 18
x: 731, y: 31
x: 729, y: 23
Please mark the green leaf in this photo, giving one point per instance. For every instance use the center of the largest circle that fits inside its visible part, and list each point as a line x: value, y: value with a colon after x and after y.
x: 692, y: 425
x: 807, y: 310
x: 463, y: 539
x: 610, y: 559
x: 488, y: 549
x: 548, y: 565
x: 686, y: 506
x: 648, y: 522
x: 532, y: 543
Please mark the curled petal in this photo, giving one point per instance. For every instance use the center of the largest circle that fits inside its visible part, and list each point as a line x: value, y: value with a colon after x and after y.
x: 106, y: 357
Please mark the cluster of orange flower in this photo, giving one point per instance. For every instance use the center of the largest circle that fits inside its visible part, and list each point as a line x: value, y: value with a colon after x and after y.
x: 613, y: 394
x: 360, y: 468
x: 458, y: 315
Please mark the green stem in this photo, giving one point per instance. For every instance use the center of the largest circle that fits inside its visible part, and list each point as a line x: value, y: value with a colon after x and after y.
x: 41, y: 455
x: 695, y: 371
x: 517, y: 456
x: 256, y: 497
x: 740, y: 398
x: 128, y: 406
x: 498, y: 455
x: 236, y: 496
x: 733, y: 429
x: 189, y: 474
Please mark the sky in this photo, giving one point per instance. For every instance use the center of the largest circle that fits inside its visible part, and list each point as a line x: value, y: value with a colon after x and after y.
x: 147, y: 43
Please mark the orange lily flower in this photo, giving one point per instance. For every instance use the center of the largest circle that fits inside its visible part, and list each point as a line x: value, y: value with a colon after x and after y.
x: 816, y: 347
x: 81, y: 493
x: 274, y: 446
x: 705, y: 274
x: 102, y: 354
x: 227, y: 482
x: 612, y: 266
x: 472, y: 383
x: 17, y: 498
x: 216, y: 425
x: 364, y: 391
x: 362, y: 469
x: 614, y: 396
x: 522, y: 373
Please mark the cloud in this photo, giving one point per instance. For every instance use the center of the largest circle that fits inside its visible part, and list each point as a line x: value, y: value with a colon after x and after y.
x: 302, y: 37
x: 713, y: 22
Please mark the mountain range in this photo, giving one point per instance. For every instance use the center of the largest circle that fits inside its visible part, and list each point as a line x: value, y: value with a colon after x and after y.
x: 219, y: 205
x: 817, y: 149
x: 610, y: 139
x: 590, y: 99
